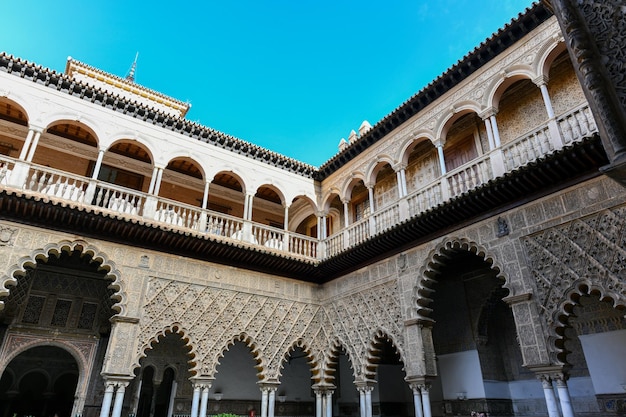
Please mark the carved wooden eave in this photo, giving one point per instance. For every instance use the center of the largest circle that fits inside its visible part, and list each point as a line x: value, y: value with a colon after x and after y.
x: 550, y: 174
x: 481, y: 55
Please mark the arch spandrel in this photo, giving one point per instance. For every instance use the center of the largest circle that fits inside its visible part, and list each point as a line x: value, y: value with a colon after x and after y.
x: 113, y: 274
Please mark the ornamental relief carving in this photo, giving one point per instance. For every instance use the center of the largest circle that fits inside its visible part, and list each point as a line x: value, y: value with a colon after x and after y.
x: 213, y: 318
x: 587, y: 251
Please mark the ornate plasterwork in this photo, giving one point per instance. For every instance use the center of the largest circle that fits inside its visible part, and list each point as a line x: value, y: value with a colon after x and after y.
x: 18, y: 270
x: 212, y: 319
x: 583, y: 256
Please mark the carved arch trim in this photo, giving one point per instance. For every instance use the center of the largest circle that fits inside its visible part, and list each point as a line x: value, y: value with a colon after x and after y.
x: 113, y: 274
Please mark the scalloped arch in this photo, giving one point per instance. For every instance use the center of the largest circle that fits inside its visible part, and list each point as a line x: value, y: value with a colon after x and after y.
x: 185, y: 335
x: 560, y: 316
x: 113, y: 274
x: 329, y: 363
x: 369, y: 364
x: 312, y: 361
x: 209, y: 370
x: 423, y: 288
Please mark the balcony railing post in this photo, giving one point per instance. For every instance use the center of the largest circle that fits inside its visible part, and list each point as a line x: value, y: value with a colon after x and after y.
x: 321, y: 250
x: 19, y: 175
x: 246, y: 235
x: 403, y: 208
x: 445, y: 188
x: 150, y: 207
x: 372, y: 226
x: 286, y: 241
x: 555, y: 134
x: 90, y: 192
x: 496, y: 157
x: 202, y: 222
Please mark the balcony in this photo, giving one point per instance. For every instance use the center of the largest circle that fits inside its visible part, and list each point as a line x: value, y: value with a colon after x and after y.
x: 103, y: 197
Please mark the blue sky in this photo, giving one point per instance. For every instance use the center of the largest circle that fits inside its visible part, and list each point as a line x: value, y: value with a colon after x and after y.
x: 292, y: 76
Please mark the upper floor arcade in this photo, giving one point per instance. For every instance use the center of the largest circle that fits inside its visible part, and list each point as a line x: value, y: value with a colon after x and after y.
x: 64, y: 142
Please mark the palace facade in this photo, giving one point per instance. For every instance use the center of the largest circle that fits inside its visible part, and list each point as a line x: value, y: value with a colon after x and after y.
x: 463, y: 254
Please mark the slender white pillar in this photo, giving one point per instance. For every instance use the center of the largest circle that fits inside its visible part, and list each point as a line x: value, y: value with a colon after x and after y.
x: 318, y: 403
x: 370, y: 193
x: 205, y: 196
x: 442, y: 160
x: 329, y: 404
x: 153, y: 178
x: 33, y: 147
x: 403, y: 182
x: 564, y: 398
x: 286, y: 222
x: 204, y: 401
x: 195, y: 401
x: 426, y: 400
x: 496, y: 132
x: 264, y: 399
x: 324, y: 227
x: 548, y: 392
x: 546, y: 99
x: 368, y: 401
x: 170, y: 408
x: 106, y: 401
x: 363, y: 413
x: 417, y: 401
x: 346, y: 213
x: 157, y: 184
x: 250, y: 204
x: 271, y: 402
x: 29, y: 138
x: 98, y: 165
x: 492, y: 145
x: 119, y: 399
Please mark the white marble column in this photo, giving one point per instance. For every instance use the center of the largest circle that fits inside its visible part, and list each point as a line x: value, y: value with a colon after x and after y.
x: 424, y: 389
x: 98, y: 165
x: 170, y: 408
x: 329, y: 403
x: 442, y: 161
x: 119, y: 399
x: 108, y: 398
x: 546, y: 97
x: 33, y: 147
x: 195, y: 400
x: 153, y: 178
x: 271, y: 402
x: 496, y: 132
x: 346, y: 212
x: 548, y: 392
x: 205, y: 195
x: 27, y: 141
x: 318, y: 403
x: 204, y: 401
x: 564, y: 397
x: 362, y: 403
x: 157, y: 184
x: 492, y: 144
x: 264, y: 400
x: 417, y: 400
x: 368, y: 401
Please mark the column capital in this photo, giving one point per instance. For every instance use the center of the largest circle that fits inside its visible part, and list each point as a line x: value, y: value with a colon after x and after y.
x: 439, y: 143
x: 36, y: 128
x: 365, y: 385
x: 540, y: 80
x: 201, y: 382
x: 399, y: 166
x: 488, y: 112
x: 550, y: 373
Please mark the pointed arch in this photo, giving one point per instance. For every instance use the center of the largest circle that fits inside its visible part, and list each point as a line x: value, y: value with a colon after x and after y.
x: 331, y: 361
x: 311, y: 360
x: 19, y: 269
x: 210, y: 369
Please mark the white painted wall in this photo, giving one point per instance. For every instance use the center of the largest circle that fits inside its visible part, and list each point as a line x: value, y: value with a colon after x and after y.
x: 460, y: 372
x: 605, y: 354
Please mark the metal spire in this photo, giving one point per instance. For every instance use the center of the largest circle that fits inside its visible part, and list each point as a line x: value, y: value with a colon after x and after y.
x: 131, y: 72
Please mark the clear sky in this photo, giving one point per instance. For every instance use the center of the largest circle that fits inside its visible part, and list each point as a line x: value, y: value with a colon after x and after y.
x: 291, y: 76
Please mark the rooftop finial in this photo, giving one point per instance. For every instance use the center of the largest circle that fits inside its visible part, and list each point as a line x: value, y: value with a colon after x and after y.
x: 131, y: 72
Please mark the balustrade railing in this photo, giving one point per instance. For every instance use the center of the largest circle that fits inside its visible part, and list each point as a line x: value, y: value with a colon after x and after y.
x: 470, y: 175
x: 576, y: 124
x: 425, y: 198
x: 386, y: 217
x: 527, y: 148
x: 571, y: 126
